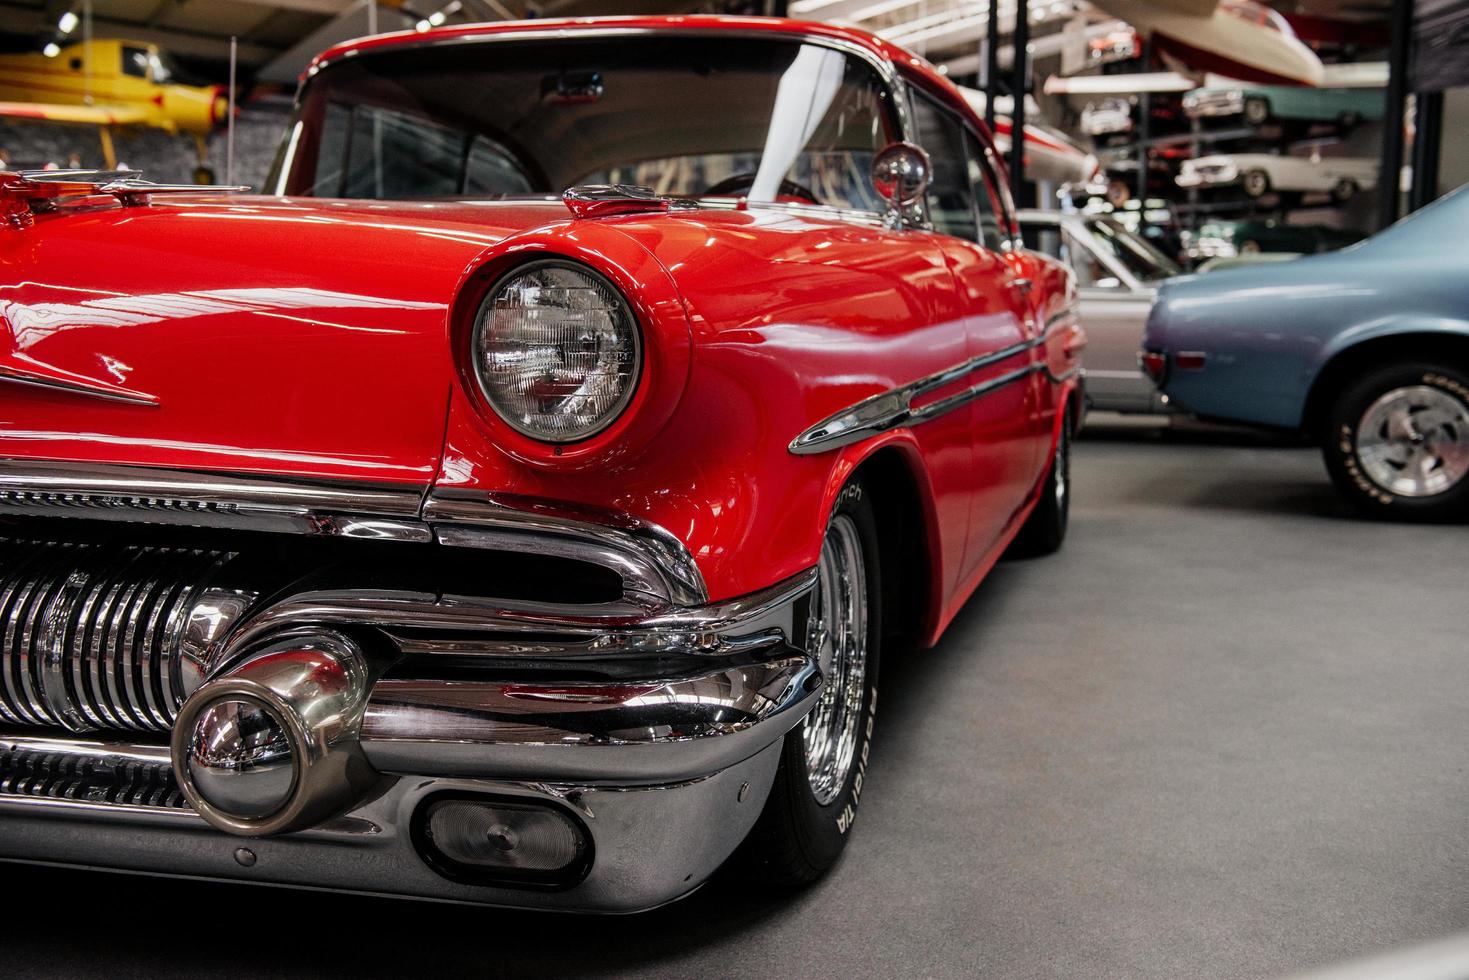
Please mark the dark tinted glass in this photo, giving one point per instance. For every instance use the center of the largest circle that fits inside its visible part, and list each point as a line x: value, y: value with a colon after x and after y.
x: 771, y: 120
x: 980, y: 178
x: 950, y: 191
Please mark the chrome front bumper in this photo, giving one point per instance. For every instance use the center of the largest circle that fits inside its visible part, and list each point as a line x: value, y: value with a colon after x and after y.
x: 652, y: 843
x: 652, y: 715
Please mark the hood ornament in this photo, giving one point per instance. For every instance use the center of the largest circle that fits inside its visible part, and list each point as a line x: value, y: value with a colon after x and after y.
x: 26, y: 193
x: 604, y: 200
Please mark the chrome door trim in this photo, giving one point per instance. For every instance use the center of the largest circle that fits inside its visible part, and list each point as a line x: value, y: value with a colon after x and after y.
x: 87, y: 389
x: 894, y: 408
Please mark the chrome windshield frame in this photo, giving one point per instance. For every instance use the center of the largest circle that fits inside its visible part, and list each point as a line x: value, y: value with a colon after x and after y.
x: 896, y: 88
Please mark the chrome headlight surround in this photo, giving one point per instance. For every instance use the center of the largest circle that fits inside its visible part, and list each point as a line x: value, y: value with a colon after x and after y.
x: 594, y: 319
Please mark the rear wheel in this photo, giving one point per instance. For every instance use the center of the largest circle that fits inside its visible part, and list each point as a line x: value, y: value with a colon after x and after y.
x: 1397, y: 442
x: 823, y: 763
x: 1045, y: 529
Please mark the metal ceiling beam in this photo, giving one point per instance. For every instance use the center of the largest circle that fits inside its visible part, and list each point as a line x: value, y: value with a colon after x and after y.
x: 329, y: 8
x: 352, y: 22
x: 19, y: 19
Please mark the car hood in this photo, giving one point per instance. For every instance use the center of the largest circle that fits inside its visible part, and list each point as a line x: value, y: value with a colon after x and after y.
x: 249, y: 334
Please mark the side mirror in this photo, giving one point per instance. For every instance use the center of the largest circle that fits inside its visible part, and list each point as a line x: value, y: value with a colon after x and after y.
x: 900, y: 173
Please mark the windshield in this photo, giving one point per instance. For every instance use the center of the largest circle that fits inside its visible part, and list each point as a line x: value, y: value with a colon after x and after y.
x: 1136, y: 253
x: 770, y: 120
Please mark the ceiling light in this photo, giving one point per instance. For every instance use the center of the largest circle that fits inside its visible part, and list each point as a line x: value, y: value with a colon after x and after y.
x: 68, y: 22
x: 51, y: 50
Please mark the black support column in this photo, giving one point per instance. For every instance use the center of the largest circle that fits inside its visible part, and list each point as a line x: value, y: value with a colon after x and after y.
x: 1019, y: 75
x: 1427, y: 147
x: 992, y: 65
x: 1391, y: 165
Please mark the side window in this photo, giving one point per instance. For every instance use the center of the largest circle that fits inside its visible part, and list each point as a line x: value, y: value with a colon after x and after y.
x: 982, y: 180
x: 335, y: 123
x: 950, y: 191
x: 392, y: 154
x: 490, y: 171
x: 135, y: 62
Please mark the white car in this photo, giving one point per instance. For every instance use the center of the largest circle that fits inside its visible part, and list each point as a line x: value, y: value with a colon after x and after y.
x: 1106, y: 117
x: 1260, y: 173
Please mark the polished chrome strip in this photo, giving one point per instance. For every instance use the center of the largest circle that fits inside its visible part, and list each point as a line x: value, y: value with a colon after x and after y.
x: 640, y: 730
x: 893, y: 408
x: 13, y: 375
x: 100, y: 487
x: 86, y: 748
x: 615, y: 627
x: 649, y: 558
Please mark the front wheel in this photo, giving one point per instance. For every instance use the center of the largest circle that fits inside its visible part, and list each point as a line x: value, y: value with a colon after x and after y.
x: 1044, y: 530
x: 1397, y: 442
x: 1344, y: 190
x: 823, y: 763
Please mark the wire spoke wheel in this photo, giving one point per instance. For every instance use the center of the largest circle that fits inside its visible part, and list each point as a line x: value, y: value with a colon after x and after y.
x: 838, y: 634
x: 1414, y: 441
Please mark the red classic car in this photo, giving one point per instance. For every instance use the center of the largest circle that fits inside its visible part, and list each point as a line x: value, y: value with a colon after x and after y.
x: 419, y: 528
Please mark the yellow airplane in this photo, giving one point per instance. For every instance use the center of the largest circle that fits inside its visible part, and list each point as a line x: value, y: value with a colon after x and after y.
x: 111, y: 84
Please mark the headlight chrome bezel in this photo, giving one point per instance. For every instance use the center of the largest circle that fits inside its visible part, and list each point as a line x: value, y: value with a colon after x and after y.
x: 478, y: 368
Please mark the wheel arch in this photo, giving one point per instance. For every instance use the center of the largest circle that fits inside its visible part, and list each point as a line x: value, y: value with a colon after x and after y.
x: 1348, y: 361
x: 908, y: 533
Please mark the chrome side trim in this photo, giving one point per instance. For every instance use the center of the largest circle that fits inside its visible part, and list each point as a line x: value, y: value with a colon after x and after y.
x: 627, y: 731
x: 650, y: 559
x: 89, y: 389
x: 97, y: 489
x: 580, y: 630
x: 893, y: 408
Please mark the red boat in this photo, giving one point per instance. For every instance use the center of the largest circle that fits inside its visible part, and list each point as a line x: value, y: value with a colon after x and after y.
x: 460, y: 520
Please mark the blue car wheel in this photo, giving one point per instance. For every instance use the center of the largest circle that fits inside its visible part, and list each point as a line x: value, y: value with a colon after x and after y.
x: 1398, y: 442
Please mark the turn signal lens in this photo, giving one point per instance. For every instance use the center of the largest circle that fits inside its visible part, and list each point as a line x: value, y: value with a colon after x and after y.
x: 491, y: 840
x: 556, y: 351
x: 1154, y: 364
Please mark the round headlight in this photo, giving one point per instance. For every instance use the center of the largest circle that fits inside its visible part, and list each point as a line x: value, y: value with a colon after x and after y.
x: 556, y: 351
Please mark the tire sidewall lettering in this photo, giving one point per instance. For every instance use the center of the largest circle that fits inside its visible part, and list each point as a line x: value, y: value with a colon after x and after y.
x: 848, y: 813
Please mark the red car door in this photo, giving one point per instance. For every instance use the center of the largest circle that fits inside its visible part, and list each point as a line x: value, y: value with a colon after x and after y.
x: 995, y: 309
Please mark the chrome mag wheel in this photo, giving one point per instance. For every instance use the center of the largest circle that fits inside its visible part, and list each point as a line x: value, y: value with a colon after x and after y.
x: 838, y: 636
x: 1063, y: 469
x: 1414, y: 441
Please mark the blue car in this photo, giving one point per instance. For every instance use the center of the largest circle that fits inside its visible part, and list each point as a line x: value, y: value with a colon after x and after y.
x: 1366, y: 349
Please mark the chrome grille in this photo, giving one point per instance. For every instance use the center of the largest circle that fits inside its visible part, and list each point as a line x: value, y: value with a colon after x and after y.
x: 112, y: 779
x: 95, y: 635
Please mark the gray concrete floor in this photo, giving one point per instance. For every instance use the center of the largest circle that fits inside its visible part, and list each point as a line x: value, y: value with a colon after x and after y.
x: 1222, y: 734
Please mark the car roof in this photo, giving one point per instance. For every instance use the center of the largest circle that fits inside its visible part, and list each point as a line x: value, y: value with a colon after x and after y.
x: 871, y: 43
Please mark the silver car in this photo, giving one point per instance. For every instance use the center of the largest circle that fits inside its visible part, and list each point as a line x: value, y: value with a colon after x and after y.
x: 1117, y: 274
